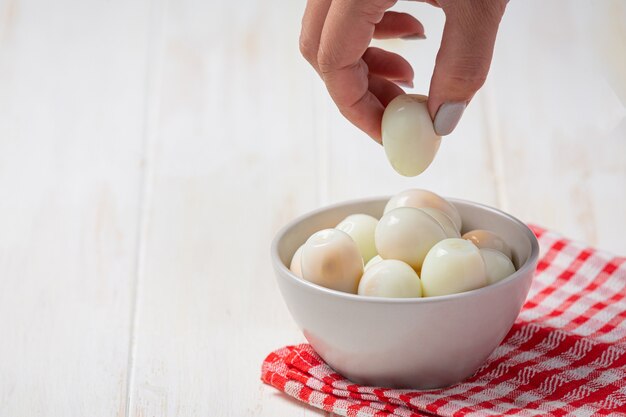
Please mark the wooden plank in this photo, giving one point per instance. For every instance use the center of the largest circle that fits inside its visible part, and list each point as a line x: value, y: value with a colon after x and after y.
x: 234, y: 158
x: 71, y: 116
x: 558, y: 111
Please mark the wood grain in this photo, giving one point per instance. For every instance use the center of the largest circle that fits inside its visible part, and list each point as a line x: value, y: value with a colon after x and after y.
x: 556, y: 109
x: 149, y: 151
x: 71, y: 118
x: 234, y: 157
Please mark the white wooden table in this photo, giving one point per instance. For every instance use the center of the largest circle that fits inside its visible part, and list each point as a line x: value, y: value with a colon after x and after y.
x: 149, y: 150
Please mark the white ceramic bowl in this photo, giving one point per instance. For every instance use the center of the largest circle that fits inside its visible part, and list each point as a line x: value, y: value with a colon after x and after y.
x: 418, y: 343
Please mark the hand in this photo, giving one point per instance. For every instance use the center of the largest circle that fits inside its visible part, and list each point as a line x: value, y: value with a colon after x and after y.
x: 362, y: 80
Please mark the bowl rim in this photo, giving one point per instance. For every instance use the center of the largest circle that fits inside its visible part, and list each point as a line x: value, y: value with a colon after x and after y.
x: 526, y: 268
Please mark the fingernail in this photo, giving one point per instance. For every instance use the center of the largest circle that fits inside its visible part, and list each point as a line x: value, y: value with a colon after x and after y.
x: 414, y: 36
x: 448, y: 117
x: 405, y: 83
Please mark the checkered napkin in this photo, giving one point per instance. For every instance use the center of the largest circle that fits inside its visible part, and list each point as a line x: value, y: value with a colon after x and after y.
x: 565, y: 355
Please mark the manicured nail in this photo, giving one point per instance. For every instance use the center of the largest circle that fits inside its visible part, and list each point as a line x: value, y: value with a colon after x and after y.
x: 414, y: 36
x: 448, y: 117
x: 405, y: 83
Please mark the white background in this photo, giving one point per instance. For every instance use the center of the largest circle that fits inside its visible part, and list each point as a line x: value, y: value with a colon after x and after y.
x: 149, y: 150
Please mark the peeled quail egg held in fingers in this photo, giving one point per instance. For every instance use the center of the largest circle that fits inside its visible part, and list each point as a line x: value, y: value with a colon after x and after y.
x: 452, y: 266
x: 407, y: 234
x: 390, y: 278
x: 409, y: 137
x: 497, y: 265
x: 361, y: 229
x: 486, y: 239
x: 421, y: 198
x: 331, y: 258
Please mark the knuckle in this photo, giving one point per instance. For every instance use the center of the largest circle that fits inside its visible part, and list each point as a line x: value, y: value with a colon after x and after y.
x: 373, y: 11
x: 307, y: 50
x: 471, y: 72
x: 475, y: 12
x: 328, y: 60
x: 331, y: 59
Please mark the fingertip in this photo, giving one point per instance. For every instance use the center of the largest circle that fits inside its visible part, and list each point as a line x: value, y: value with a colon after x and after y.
x: 432, y: 108
x: 448, y: 117
x: 388, y: 65
x: 399, y: 25
x: 384, y: 90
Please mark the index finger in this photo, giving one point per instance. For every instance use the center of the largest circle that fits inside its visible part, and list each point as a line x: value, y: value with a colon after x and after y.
x: 347, y: 32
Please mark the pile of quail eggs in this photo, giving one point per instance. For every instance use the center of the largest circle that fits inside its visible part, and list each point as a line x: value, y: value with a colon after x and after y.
x: 414, y: 250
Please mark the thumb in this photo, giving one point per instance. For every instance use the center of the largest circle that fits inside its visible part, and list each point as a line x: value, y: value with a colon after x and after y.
x: 463, y: 59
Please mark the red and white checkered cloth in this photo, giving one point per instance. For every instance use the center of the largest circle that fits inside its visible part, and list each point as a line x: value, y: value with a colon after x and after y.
x: 564, y: 356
